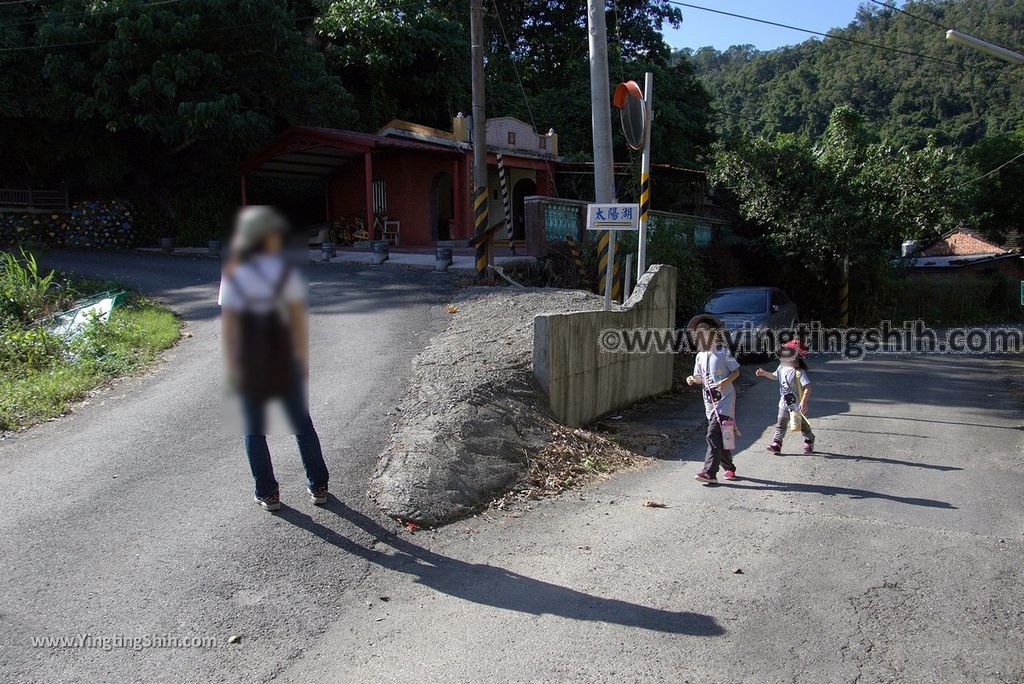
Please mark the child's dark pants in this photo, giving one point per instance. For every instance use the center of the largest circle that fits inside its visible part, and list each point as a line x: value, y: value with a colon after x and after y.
x: 717, y: 455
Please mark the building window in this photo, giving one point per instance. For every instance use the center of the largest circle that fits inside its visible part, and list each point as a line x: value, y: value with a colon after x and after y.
x: 543, y: 142
x: 511, y: 138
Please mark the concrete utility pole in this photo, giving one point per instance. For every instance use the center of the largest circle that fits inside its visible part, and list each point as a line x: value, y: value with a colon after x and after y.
x: 601, y: 114
x: 645, y: 177
x: 480, y: 196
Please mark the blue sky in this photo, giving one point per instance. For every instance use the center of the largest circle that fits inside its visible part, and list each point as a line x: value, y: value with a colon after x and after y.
x: 701, y: 28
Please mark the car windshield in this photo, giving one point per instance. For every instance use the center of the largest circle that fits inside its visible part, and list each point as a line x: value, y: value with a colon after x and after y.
x: 737, y: 303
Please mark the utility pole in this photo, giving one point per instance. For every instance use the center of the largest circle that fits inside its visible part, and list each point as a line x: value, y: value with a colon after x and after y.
x: 601, y: 116
x: 480, y: 195
x: 645, y: 177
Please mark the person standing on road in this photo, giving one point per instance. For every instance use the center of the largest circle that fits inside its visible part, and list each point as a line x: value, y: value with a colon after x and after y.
x: 715, y: 370
x: 266, y: 345
x: 794, y: 394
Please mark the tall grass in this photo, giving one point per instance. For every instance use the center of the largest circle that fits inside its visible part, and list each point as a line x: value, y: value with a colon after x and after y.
x: 24, y: 290
x: 41, y: 373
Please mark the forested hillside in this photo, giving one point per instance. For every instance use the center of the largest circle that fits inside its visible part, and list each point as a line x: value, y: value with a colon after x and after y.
x: 955, y: 94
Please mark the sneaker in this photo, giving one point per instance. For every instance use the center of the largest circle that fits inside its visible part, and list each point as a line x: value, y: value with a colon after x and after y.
x: 775, y: 448
x: 318, y: 495
x: 729, y: 475
x: 271, y: 502
x: 705, y: 477
x: 808, y: 447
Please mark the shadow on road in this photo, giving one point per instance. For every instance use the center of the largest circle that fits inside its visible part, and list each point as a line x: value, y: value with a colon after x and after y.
x: 774, y: 486
x: 493, y: 586
x: 888, y: 461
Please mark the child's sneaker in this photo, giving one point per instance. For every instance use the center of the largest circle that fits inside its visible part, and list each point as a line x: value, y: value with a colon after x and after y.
x: 808, y: 447
x: 705, y: 477
x: 317, y: 495
x: 775, y: 448
x: 271, y: 502
x: 729, y: 475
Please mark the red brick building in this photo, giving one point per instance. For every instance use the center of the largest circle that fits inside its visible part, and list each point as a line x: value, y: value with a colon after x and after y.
x: 410, y: 183
x: 961, y: 253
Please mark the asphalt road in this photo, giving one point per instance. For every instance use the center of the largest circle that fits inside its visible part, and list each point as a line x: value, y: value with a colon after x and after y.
x: 134, y: 516
x: 893, y: 555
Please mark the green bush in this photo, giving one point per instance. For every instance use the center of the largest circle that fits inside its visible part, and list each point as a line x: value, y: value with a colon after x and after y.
x: 956, y: 301
x: 40, y: 372
x: 28, y: 350
x: 670, y: 244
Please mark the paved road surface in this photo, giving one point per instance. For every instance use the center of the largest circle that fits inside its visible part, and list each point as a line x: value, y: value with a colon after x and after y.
x: 894, y: 555
x: 134, y: 516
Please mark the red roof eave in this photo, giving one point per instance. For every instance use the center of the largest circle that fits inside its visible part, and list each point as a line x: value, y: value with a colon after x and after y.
x: 306, y: 137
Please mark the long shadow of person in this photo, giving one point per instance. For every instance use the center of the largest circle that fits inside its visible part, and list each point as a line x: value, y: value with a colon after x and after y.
x: 494, y: 586
x: 775, y: 486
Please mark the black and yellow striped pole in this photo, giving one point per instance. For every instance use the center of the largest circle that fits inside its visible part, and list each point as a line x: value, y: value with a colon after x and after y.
x: 480, y: 208
x: 602, y: 260
x: 844, y: 294
x: 617, y: 279
x: 506, y: 205
x: 577, y: 260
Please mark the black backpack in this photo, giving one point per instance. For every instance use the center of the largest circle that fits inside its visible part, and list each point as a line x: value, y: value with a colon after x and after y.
x: 266, y: 354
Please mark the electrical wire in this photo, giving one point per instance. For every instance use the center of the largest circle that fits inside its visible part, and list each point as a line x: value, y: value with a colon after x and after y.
x: 835, y: 36
x: 993, y: 171
x: 910, y: 14
x: 522, y: 89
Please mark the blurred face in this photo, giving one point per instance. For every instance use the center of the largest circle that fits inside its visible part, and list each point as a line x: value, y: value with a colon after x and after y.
x: 273, y: 243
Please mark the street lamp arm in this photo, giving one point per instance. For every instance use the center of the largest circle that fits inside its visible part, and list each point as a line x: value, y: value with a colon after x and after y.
x: 988, y: 48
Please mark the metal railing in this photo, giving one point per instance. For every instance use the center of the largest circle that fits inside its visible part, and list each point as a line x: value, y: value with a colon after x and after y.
x: 32, y: 198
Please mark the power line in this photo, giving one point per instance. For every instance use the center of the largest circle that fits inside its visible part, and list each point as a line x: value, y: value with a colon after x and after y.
x: 522, y: 88
x: 847, y: 39
x: 993, y: 171
x: 512, y: 59
x: 910, y: 14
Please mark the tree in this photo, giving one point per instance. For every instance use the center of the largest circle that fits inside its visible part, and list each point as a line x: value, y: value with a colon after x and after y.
x: 910, y: 99
x: 145, y: 84
x: 843, y: 198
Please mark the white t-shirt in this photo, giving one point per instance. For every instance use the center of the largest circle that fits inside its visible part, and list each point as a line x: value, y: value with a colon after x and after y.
x: 251, y: 287
x: 792, y: 381
x: 714, y: 366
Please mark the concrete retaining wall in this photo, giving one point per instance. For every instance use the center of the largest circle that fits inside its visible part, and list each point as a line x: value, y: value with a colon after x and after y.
x: 582, y: 382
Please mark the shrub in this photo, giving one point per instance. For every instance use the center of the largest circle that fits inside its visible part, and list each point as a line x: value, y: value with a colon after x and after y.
x: 23, y: 289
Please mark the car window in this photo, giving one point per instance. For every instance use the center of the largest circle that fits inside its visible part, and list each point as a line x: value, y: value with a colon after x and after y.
x: 750, y: 302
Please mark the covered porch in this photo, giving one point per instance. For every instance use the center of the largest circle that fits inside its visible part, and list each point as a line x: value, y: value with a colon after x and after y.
x: 374, y: 187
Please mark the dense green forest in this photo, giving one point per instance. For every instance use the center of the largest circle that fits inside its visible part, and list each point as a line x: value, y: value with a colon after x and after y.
x: 960, y: 100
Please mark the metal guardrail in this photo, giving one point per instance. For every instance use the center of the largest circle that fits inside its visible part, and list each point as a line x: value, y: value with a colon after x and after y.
x: 32, y: 198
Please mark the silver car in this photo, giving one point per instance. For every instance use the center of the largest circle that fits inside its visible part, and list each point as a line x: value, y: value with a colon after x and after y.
x: 749, y: 311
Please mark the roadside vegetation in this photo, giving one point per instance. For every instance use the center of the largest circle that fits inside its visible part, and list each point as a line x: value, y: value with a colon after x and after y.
x: 41, y: 372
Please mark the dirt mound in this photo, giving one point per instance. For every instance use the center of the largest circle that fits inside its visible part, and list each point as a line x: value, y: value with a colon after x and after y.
x: 475, y: 424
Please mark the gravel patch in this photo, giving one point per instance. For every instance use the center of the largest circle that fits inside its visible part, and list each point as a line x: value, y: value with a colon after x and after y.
x: 475, y: 428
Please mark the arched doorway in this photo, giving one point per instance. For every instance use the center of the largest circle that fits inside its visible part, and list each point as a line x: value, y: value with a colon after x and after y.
x: 441, y: 207
x: 523, y: 188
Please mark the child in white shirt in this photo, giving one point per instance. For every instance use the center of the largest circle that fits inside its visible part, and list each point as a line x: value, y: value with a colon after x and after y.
x: 794, y: 393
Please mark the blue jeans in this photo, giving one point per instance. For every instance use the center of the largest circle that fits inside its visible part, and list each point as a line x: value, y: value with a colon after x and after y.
x: 255, y: 414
